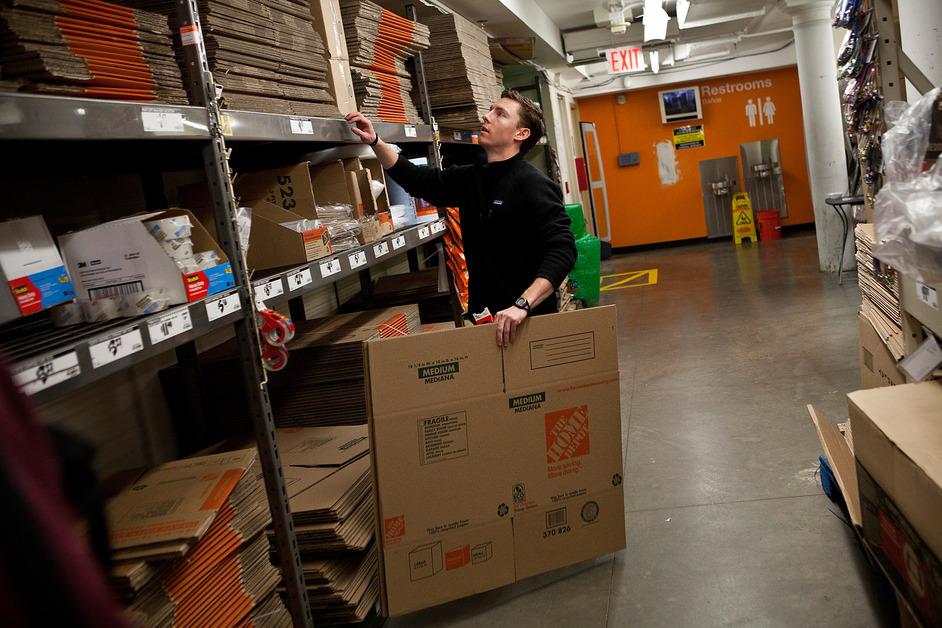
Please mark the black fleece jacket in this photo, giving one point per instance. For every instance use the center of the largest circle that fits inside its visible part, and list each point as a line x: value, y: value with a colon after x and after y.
x: 513, y: 226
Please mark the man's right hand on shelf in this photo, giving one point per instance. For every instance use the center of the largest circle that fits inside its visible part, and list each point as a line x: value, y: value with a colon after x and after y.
x: 361, y: 127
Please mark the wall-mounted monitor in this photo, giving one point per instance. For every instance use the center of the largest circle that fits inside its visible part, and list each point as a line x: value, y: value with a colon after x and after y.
x: 680, y: 104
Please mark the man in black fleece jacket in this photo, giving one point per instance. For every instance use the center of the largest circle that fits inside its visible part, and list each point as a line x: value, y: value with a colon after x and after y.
x: 516, y: 235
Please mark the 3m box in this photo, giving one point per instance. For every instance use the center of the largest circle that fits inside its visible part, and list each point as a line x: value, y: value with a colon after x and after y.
x: 897, y: 441
x: 121, y: 257
x: 877, y: 365
x: 506, y: 462
x: 31, y: 267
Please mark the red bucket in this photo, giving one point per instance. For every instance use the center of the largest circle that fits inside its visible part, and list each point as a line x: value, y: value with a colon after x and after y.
x: 770, y: 224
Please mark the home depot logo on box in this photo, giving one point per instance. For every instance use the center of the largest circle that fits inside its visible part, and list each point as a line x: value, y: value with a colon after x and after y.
x: 395, y: 527
x: 567, y: 434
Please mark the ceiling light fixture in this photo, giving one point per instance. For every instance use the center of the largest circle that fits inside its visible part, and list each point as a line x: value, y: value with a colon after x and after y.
x: 655, y: 20
x: 683, y: 6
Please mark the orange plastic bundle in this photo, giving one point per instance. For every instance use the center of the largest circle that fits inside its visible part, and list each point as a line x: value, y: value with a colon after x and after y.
x: 90, y: 48
x: 454, y: 250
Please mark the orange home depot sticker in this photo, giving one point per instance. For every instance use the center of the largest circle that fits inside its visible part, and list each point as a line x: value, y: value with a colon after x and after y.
x: 395, y: 527
x: 458, y: 557
x: 567, y: 434
x: 221, y: 491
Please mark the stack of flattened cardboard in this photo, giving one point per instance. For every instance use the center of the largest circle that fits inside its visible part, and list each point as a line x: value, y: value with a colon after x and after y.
x: 88, y: 48
x: 329, y: 478
x: 879, y: 291
x: 189, y: 547
x: 379, y: 42
x: 462, y: 85
x: 265, y: 54
x: 323, y: 382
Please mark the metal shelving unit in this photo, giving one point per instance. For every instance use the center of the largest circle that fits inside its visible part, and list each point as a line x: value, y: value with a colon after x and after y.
x: 52, y: 362
x: 279, y: 288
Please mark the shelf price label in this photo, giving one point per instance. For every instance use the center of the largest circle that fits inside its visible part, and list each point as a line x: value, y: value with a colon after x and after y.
x: 398, y: 242
x: 329, y: 268
x: 115, y: 347
x: 457, y: 136
x: 169, y: 325
x: 268, y: 290
x: 298, y: 280
x: 928, y: 295
x: 160, y: 121
x: 424, y: 232
x: 223, y: 306
x: 301, y: 127
x: 438, y: 227
x: 381, y: 249
x: 357, y: 259
x: 47, y: 372
x: 410, y: 130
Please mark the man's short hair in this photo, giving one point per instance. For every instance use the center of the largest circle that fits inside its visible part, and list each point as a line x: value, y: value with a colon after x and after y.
x: 530, y: 118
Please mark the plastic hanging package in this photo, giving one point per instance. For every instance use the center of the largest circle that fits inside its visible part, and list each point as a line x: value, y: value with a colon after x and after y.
x: 67, y: 314
x: 143, y: 303
x: 341, y: 224
x: 244, y: 221
x: 908, y: 209
x: 301, y: 226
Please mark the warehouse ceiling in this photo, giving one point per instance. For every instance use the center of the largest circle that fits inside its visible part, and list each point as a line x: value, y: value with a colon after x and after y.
x: 571, y: 37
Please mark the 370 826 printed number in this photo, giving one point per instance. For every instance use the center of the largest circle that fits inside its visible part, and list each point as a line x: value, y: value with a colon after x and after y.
x: 556, y: 531
x: 286, y: 192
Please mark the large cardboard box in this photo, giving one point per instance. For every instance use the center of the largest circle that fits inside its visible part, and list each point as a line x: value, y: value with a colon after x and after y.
x: 31, y: 267
x: 289, y: 188
x: 898, y: 443
x: 877, y: 365
x: 121, y: 257
x: 494, y: 465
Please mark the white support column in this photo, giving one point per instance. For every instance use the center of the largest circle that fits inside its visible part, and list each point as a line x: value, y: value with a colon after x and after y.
x: 824, y: 132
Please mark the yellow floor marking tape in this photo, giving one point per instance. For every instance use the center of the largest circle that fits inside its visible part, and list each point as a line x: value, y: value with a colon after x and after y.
x: 633, y: 279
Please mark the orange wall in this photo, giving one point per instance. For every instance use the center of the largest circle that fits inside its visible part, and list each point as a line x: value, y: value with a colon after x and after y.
x: 645, y: 211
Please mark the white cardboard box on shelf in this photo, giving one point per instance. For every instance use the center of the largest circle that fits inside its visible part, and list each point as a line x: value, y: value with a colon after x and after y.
x: 494, y: 465
x: 121, y: 257
x: 31, y: 267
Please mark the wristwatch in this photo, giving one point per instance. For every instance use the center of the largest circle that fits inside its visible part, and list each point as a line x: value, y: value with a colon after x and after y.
x: 523, y: 304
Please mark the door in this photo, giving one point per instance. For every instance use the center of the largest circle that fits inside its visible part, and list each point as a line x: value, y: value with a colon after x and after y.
x: 598, y: 196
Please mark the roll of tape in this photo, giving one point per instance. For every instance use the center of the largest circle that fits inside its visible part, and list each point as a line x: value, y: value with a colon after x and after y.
x: 67, y: 314
x: 170, y: 228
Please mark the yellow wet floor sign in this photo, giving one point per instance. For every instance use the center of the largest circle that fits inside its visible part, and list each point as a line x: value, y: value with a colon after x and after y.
x: 632, y: 279
x: 744, y: 226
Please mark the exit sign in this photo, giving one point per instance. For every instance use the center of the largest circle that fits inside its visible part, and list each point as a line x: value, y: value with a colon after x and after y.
x: 622, y: 60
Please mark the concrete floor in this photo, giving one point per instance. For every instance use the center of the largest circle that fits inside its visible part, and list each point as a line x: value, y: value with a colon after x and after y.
x: 727, y: 524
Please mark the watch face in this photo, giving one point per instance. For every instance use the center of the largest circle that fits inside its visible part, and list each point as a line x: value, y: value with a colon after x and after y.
x: 521, y: 302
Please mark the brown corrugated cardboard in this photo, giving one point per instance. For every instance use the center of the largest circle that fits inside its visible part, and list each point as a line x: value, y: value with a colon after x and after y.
x: 322, y: 446
x: 177, y: 501
x: 877, y: 365
x: 471, y: 443
x: 341, y: 80
x: 272, y: 245
x: 328, y: 21
x: 841, y: 457
x: 289, y: 188
x: 331, y: 184
x: 897, y: 440
x: 427, y: 370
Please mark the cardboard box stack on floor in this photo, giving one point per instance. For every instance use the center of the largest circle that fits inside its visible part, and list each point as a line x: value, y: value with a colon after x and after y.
x: 265, y: 54
x: 881, y: 336
x: 88, y: 48
x: 461, y: 81
x: 323, y: 382
x: 327, y: 470
x: 494, y: 465
x: 379, y: 42
x: 897, y: 441
x: 189, y: 546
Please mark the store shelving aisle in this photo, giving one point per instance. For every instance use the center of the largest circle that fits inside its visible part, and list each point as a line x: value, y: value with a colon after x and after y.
x: 727, y: 523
